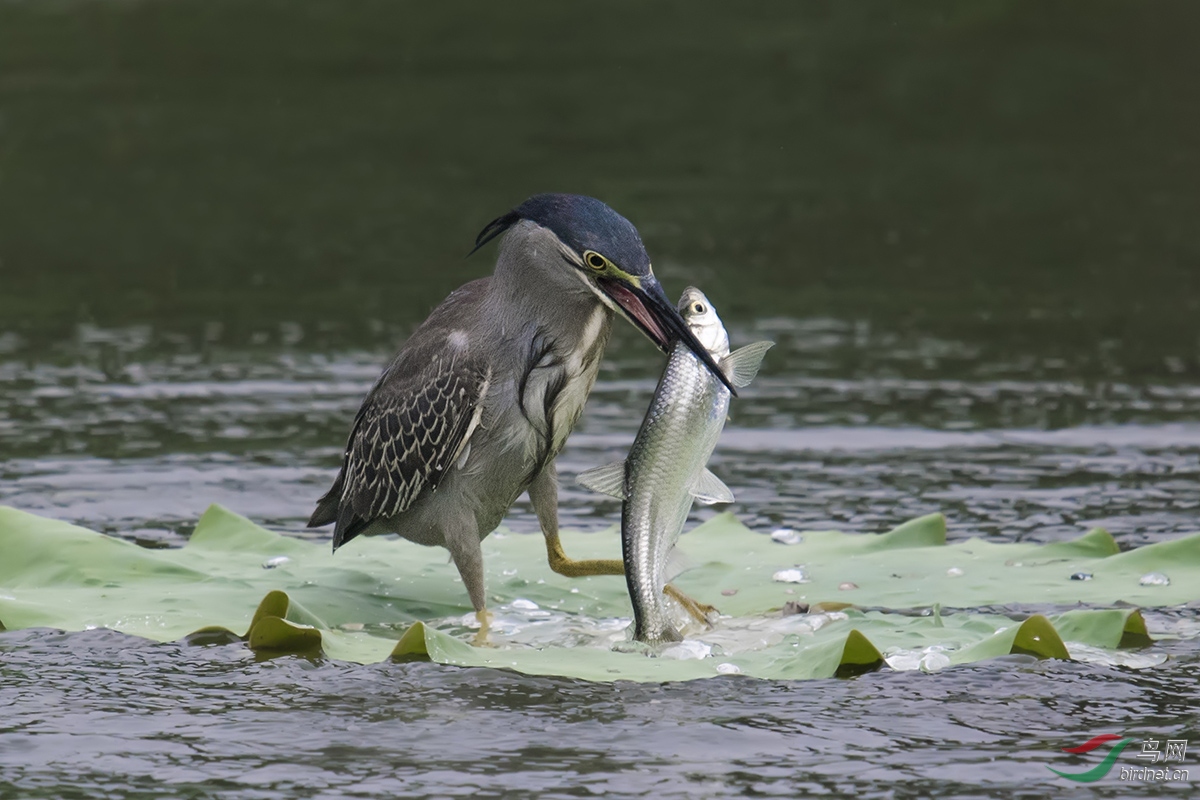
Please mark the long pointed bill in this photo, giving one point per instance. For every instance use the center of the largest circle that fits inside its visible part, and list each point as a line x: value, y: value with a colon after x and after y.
x: 648, y: 308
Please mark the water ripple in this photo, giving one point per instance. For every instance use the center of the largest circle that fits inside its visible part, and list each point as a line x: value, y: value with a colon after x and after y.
x: 848, y: 428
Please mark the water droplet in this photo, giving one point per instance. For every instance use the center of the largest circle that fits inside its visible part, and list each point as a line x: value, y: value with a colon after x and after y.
x: 524, y: 605
x: 277, y: 561
x: 1154, y: 579
x: 1081, y: 576
x: 729, y: 592
x: 797, y: 575
x: 508, y: 573
x: 687, y: 649
x: 954, y: 572
x: 933, y: 661
x: 847, y: 586
x: 728, y: 669
x: 786, y: 536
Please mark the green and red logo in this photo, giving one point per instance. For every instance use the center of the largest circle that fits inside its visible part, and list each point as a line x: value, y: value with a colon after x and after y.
x: 1153, y: 753
x: 1100, y: 770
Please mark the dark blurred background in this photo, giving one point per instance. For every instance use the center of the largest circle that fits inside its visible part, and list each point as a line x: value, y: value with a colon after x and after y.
x: 971, y: 228
x: 998, y: 172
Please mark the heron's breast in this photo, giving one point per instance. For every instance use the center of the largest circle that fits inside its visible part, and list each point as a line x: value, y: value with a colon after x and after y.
x: 580, y: 367
x: 533, y: 411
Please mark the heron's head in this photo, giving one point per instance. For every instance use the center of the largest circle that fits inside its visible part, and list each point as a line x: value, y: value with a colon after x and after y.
x: 606, y: 252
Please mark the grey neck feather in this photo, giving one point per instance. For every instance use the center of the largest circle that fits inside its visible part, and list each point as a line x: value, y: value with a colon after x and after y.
x: 552, y: 329
x: 532, y: 281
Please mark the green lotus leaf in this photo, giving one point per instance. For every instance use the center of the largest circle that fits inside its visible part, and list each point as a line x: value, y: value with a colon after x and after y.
x: 910, y: 567
x: 1112, y: 628
x: 1035, y: 636
x: 277, y: 635
x: 838, y: 652
x: 378, y: 599
x: 212, y: 635
x: 274, y: 604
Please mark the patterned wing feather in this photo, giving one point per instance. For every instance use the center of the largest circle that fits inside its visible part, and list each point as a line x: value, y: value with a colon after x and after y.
x: 408, y: 433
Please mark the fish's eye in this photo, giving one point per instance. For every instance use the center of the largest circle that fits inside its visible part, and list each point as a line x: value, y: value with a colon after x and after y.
x: 698, y: 308
x: 595, y: 260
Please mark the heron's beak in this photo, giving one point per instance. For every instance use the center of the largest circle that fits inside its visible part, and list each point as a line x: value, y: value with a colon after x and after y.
x: 646, y: 306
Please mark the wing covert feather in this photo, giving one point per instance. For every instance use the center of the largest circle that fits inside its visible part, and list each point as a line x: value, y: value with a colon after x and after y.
x: 409, y: 432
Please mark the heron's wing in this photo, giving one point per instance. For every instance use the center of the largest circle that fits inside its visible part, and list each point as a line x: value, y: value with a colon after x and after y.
x: 411, y: 429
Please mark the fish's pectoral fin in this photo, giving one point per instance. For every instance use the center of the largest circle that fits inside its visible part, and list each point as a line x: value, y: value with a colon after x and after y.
x: 742, y: 364
x: 710, y: 489
x: 677, y: 564
x: 609, y: 479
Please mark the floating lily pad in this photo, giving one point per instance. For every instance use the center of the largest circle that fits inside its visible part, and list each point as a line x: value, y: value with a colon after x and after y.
x: 378, y: 599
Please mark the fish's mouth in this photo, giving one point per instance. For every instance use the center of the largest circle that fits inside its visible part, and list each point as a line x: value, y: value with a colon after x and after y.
x: 647, y: 307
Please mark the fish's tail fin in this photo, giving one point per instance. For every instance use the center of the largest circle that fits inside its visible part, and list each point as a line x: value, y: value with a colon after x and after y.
x: 742, y: 364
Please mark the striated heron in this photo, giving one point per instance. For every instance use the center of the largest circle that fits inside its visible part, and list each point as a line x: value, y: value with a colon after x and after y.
x: 478, y: 402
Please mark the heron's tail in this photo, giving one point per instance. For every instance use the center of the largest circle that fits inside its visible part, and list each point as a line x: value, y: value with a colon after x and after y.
x: 327, y: 506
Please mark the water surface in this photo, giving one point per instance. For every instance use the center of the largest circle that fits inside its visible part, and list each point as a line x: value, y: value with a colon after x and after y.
x: 970, y: 229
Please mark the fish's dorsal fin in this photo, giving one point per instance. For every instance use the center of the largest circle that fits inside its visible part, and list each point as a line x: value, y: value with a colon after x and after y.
x: 608, y: 479
x: 742, y: 364
x: 710, y: 489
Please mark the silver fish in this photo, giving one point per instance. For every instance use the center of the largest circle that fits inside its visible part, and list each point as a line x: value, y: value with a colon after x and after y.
x: 665, y: 470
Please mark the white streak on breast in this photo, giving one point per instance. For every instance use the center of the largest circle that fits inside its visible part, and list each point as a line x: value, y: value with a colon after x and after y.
x: 569, y: 403
x: 464, y: 447
x: 590, y: 331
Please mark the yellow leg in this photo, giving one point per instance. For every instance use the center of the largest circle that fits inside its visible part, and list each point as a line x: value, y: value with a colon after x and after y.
x: 699, y: 611
x: 563, y: 565
x: 543, y: 493
x: 560, y: 563
x: 485, y: 626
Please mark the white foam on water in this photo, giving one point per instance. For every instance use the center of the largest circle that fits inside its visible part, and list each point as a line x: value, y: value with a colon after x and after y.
x: 796, y: 575
x: 926, y: 659
x: 1135, y: 659
x: 688, y: 649
x: 786, y: 536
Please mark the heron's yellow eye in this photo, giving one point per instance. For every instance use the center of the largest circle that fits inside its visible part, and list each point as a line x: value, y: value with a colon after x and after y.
x: 595, y: 260
x: 698, y: 308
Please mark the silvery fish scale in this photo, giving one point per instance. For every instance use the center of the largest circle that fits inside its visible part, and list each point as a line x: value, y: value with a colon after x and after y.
x: 675, y: 441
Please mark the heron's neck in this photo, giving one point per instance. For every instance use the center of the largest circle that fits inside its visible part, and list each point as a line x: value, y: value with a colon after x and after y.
x: 533, y: 284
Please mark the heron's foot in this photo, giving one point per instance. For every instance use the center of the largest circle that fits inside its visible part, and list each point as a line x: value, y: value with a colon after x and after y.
x: 485, y: 626
x: 701, y: 612
x: 560, y: 563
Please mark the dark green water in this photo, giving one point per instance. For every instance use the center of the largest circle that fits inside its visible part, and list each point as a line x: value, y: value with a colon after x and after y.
x: 970, y: 227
